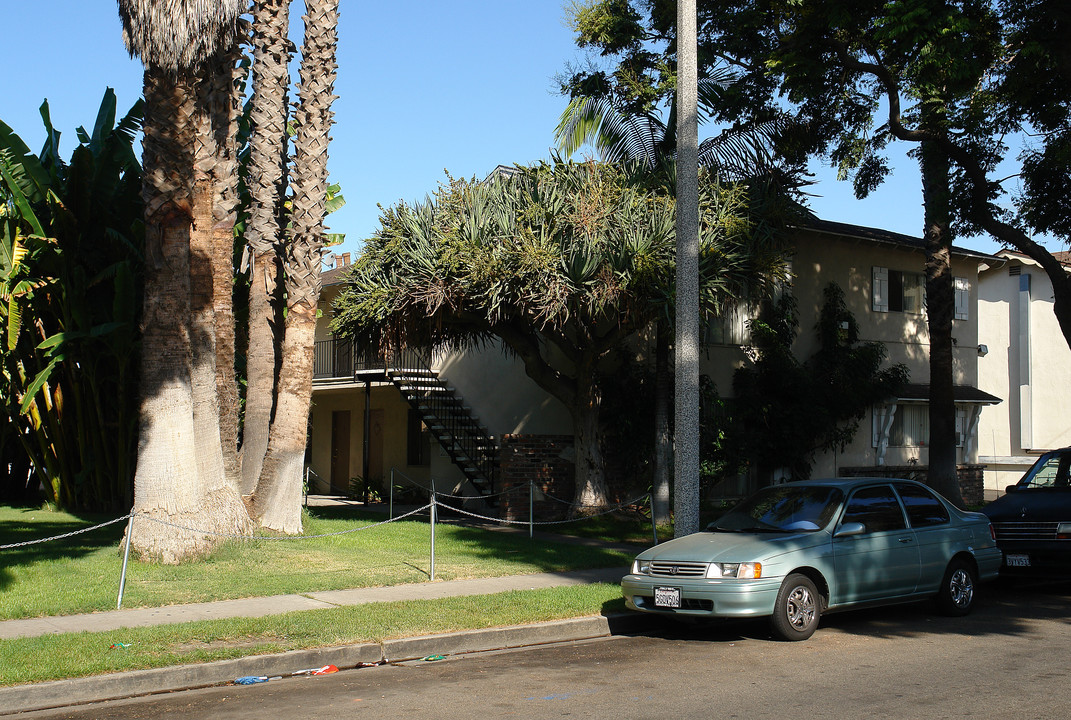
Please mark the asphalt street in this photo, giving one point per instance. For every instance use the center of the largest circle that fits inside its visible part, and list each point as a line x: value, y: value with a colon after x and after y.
x: 1007, y: 660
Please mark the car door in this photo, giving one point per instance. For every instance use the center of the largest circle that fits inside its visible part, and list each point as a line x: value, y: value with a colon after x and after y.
x: 936, y: 538
x: 883, y: 560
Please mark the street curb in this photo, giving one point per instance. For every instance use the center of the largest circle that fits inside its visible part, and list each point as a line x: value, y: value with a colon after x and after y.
x: 115, y: 686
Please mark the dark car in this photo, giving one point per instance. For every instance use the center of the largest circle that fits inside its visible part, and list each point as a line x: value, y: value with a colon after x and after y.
x: 1033, y: 520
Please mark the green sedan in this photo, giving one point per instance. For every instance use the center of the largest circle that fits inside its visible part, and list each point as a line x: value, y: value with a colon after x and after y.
x: 795, y: 551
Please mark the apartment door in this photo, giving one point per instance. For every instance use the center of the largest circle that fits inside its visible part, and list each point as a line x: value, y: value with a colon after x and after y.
x: 340, y: 451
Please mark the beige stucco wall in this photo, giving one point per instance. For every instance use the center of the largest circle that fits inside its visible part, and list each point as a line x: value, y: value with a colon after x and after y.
x: 506, y: 400
x: 393, y: 416
x: 1017, y: 431
x: 499, y: 392
x: 821, y: 259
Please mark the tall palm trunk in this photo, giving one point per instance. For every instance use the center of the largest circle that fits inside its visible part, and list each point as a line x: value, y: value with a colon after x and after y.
x: 179, y: 475
x: 277, y: 499
x: 168, y: 485
x: 267, y: 186
x: 222, y: 99
x: 210, y: 288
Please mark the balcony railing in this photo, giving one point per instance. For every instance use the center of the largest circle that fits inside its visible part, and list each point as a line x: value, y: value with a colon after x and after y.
x: 337, y: 359
x: 344, y: 359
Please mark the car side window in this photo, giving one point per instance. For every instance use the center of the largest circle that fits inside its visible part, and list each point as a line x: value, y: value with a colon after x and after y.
x: 876, y: 507
x: 923, y: 507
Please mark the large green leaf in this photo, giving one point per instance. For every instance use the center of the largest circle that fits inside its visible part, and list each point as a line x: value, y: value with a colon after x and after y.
x: 38, y: 382
x: 22, y: 169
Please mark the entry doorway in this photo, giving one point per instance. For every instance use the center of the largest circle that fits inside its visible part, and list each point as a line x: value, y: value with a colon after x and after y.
x: 340, y: 452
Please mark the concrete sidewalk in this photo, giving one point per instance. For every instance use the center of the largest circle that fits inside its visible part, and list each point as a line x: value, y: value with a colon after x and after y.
x: 279, y: 604
x: 64, y: 693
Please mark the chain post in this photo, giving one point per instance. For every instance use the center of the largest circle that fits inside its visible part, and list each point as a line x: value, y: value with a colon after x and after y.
x: 433, y: 513
x: 126, y: 556
x: 654, y: 521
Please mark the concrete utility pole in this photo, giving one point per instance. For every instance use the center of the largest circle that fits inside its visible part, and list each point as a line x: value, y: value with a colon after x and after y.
x: 686, y: 372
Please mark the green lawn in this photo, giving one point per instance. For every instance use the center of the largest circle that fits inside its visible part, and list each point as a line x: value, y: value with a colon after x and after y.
x: 53, y: 657
x: 81, y: 573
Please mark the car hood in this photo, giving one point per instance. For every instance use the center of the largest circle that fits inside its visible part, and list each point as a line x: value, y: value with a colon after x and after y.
x: 732, y: 547
x: 1037, y: 505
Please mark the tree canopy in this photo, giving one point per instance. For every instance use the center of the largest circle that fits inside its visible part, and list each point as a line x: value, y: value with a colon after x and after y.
x: 560, y: 262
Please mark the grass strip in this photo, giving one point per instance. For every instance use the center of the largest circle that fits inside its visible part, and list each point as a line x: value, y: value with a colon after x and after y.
x: 81, y: 573
x: 70, y: 655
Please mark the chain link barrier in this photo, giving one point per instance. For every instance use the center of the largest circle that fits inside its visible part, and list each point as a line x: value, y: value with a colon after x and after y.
x: 280, y: 537
x: 65, y: 535
x: 605, y: 511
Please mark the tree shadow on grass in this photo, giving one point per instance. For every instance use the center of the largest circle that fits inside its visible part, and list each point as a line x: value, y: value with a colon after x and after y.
x: 20, y: 525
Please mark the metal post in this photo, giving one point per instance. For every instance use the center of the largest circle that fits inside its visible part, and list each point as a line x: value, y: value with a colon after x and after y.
x: 654, y: 520
x: 365, y: 459
x: 531, y: 504
x: 126, y: 556
x: 433, y: 529
x: 390, y: 510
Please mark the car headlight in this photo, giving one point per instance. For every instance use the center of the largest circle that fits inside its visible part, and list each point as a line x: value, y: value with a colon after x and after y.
x: 735, y: 570
x: 1063, y: 531
x: 641, y: 567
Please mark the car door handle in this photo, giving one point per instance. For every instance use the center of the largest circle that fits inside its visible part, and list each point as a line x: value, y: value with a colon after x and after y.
x: 905, y: 539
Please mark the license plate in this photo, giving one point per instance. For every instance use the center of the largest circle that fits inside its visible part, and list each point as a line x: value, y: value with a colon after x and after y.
x: 667, y: 597
x: 1017, y: 560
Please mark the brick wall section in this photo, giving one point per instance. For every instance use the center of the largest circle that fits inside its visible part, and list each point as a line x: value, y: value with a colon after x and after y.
x: 544, y: 460
x: 970, y: 477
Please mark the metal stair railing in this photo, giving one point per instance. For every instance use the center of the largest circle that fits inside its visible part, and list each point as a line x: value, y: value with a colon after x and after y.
x: 467, y: 443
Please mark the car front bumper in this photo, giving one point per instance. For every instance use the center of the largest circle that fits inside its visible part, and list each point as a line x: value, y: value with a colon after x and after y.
x: 723, y: 597
x: 1046, y: 557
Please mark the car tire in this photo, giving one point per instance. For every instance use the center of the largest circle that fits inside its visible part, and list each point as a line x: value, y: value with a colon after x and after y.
x: 959, y: 589
x: 797, y: 609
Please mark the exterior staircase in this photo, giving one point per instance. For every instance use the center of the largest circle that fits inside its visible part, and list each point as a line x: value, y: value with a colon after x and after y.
x: 444, y: 413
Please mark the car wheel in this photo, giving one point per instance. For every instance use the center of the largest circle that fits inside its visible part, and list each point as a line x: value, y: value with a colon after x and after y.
x: 797, y: 610
x: 958, y: 589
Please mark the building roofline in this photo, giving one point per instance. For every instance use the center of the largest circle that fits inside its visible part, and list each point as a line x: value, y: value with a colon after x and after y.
x: 885, y: 237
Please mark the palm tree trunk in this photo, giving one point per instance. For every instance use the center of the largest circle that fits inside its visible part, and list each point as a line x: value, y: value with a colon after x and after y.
x: 267, y: 186
x: 686, y: 366
x: 210, y: 289
x: 168, y: 485
x: 277, y: 501
x: 223, y: 101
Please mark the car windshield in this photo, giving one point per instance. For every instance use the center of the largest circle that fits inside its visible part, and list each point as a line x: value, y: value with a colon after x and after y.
x: 782, y: 508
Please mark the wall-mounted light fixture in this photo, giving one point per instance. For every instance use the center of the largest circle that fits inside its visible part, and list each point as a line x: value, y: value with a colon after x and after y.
x: 983, y: 350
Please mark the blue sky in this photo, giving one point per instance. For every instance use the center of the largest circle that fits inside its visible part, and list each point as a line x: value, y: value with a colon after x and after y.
x: 424, y: 87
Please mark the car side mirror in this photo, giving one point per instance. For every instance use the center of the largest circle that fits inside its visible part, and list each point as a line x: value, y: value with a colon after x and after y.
x: 1011, y: 488
x: 848, y: 529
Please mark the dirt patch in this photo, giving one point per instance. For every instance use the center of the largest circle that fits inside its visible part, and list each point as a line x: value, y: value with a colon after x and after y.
x: 197, y: 645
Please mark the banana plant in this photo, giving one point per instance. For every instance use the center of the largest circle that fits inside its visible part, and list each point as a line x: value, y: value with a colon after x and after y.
x: 70, y: 241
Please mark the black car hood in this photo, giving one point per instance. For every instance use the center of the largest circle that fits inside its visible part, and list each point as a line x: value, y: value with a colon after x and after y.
x: 1036, y: 505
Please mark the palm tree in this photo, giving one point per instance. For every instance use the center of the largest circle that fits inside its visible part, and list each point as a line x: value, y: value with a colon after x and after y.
x: 277, y: 500
x: 179, y: 473
x: 267, y: 183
